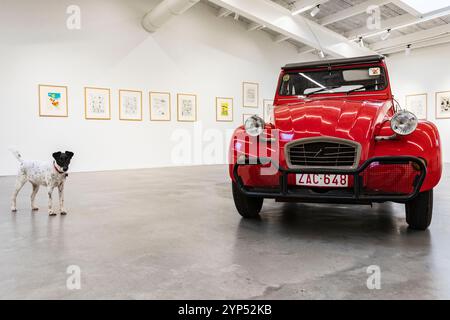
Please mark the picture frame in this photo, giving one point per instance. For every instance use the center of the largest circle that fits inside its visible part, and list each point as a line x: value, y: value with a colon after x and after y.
x: 130, y: 105
x: 97, y: 103
x: 267, y: 110
x: 443, y: 105
x: 224, y: 109
x: 53, y: 101
x: 250, y: 95
x: 160, y: 106
x: 186, y: 107
x: 417, y: 104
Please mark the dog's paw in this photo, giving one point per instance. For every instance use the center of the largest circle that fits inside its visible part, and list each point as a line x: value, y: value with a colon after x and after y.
x: 51, y: 213
x: 34, y: 209
x: 63, y: 213
x: 13, y: 209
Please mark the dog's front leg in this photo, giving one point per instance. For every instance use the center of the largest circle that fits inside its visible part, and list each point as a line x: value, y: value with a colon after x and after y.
x: 50, y: 202
x: 61, y: 199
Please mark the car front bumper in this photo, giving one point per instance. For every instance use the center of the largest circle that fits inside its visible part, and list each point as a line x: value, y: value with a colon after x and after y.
x: 358, y: 192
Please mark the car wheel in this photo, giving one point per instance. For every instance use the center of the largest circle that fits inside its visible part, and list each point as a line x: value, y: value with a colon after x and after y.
x: 248, y: 207
x: 420, y: 210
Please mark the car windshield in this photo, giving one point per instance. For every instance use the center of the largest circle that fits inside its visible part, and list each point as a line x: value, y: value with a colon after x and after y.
x: 332, y: 81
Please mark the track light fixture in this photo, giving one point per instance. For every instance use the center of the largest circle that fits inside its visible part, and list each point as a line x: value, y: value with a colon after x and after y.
x: 386, y: 35
x: 361, y: 42
x: 315, y: 11
x: 408, y: 50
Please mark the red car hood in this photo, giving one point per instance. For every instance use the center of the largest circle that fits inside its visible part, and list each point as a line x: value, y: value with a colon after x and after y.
x: 346, y: 119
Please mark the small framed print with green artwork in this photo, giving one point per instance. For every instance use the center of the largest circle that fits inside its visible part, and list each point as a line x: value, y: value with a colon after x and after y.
x: 224, y: 109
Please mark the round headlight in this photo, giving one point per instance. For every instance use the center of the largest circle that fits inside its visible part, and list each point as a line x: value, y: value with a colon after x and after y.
x: 254, y: 126
x: 404, y: 123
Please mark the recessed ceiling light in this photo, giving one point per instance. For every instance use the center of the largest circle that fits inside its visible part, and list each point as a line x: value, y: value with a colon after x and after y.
x: 426, y: 6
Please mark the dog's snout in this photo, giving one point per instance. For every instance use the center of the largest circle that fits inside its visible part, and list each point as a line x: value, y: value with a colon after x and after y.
x: 65, y: 169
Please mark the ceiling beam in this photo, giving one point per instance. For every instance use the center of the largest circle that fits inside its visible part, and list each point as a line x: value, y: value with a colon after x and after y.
x: 407, y: 8
x: 418, y: 45
x: 223, y: 13
x: 298, y: 28
x: 352, y: 11
x: 397, y: 23
x: 412, y: 38
x: 280, y: 38
x: 385, y: 24
x: 305, y: 5
x: 252, y: 26
x: 306, y: 50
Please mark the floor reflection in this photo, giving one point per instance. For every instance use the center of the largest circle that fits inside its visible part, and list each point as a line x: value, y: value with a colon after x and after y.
x: 334, y: 221
x: 325, y: 247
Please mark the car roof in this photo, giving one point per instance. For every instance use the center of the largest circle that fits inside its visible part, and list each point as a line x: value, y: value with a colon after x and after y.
x: 334, y: 62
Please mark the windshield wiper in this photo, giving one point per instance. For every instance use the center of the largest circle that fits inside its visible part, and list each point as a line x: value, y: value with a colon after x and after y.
x: 368, y: 86
x: 322, y: 90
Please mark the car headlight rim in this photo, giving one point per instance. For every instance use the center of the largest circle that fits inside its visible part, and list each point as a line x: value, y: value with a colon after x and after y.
x: 254, y: 126
x: 404, y: 123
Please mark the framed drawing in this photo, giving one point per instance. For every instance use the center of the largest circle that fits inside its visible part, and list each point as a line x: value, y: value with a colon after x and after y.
x: 268, y: 109
x: 53, y: 101
x: 97, y: 103
x: 224, y: 109
x: 130, y: 105
x: 186, y: 107
x: 417, y: 104
x: 160, y: 106
x: 250, y: 94
x: 443, y: 105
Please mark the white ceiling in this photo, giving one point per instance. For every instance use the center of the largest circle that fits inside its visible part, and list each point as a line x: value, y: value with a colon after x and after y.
x: 424, y: 6
x: 348, y: 18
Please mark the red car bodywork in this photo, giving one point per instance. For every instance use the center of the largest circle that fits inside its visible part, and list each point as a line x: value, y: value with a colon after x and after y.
x: 359, y: 117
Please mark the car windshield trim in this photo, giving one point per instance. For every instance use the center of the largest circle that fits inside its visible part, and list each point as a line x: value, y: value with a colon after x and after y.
x: 307, y: 83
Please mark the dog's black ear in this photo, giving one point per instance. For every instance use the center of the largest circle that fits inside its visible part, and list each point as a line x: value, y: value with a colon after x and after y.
x: 70, y: 154
x: 56, y: 155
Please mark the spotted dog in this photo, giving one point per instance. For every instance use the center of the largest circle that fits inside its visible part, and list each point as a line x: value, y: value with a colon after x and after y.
x: 49, y: 174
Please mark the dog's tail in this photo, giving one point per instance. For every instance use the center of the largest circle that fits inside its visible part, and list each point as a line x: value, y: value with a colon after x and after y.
x: 16, y: 154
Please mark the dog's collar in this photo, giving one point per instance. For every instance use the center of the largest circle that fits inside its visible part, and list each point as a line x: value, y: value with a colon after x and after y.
x: 56, y: 168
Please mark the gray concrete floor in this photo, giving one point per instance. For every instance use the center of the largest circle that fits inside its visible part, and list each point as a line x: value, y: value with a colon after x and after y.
x: 174, y: 233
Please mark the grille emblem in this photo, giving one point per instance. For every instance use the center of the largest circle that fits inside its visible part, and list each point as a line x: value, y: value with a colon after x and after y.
x: 318, y: 153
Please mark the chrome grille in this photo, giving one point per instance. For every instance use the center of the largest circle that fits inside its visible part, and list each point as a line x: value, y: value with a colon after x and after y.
x: 323, y: 153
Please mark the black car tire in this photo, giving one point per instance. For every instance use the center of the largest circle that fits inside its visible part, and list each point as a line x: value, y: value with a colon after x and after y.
x: 419, y: 211
x: 248, y: 207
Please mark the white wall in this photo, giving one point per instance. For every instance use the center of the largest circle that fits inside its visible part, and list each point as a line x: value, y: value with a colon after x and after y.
x: 193, y: 53
x: 424, y: 71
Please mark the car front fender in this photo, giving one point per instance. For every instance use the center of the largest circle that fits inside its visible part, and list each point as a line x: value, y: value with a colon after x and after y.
x: 423, y: 143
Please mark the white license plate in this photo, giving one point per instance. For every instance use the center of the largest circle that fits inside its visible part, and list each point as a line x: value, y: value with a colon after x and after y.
x: 322, y: 180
